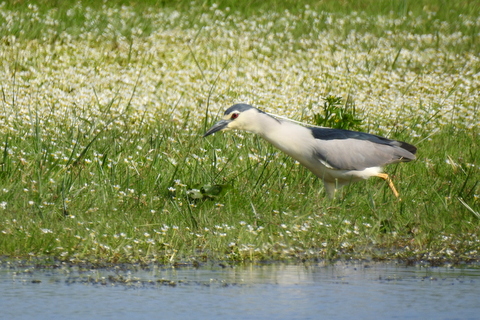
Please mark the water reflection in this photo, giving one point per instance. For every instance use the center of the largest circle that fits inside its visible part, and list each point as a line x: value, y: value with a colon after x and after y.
x: 360, y: 291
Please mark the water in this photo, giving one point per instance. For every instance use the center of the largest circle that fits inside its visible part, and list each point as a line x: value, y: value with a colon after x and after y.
x: 275, y: 291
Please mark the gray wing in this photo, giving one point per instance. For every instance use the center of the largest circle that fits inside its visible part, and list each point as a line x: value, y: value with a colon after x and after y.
x: 350, y: 150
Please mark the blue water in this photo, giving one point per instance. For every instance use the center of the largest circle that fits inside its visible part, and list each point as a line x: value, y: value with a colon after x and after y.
x: 276, y: 291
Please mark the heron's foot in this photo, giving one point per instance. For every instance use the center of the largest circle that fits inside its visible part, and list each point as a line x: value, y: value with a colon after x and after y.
x: 386, y: 177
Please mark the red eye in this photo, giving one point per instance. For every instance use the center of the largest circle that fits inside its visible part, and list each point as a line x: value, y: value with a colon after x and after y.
x: 234, y: 116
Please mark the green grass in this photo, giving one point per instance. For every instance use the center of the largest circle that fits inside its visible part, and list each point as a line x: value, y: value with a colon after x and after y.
x: 104, y: 107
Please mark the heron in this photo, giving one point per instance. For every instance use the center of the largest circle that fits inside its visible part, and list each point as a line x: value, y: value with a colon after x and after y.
x: 337, y: 156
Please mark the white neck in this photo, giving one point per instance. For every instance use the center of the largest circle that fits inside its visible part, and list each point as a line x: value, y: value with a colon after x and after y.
x: 291, y: 138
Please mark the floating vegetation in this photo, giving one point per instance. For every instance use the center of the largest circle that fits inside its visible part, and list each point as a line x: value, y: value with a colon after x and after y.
x: 103, y: 109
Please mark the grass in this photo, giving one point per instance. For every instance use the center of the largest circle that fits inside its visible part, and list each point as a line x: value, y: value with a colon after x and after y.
x: 104, y: 106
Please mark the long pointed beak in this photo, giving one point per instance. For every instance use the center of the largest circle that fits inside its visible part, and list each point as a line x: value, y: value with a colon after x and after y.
x: 220, y: 125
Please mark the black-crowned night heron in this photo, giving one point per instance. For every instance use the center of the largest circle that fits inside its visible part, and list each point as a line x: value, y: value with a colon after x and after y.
x: 336, y: 156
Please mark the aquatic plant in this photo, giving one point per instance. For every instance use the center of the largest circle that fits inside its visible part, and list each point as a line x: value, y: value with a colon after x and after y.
x: 104, y: 106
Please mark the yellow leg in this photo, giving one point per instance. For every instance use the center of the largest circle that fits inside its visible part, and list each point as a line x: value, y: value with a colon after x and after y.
x: 385, y: 177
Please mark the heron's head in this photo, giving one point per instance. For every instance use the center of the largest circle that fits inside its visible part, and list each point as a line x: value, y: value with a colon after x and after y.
x: 238, y: 116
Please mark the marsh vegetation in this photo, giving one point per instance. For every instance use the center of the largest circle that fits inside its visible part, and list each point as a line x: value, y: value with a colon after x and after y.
x: 103, y: 107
